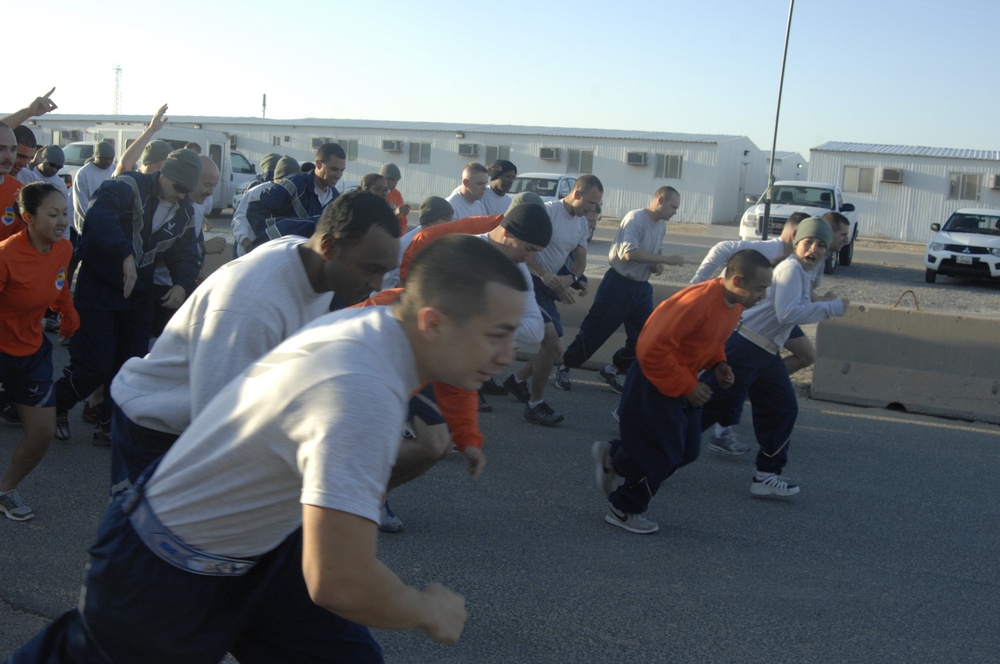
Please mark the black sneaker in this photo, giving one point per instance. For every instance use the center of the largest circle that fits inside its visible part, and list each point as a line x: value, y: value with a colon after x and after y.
x: 518, y: 390
x: 562, y: 379
x: 62, y: 425
x: 493, y: 388
x: 10, y: 415
x: 612, y: 378
x: 542, y: 414
x: 102, y: 436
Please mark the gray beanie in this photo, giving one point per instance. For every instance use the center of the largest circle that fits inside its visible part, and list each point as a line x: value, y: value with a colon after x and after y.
x: 814, y: 227
x: 529, y: 223
x: 183, y: 167
x: 104, y: 149
x: 285, y: 167
x: 434, y: 208
x: 54, y: 154
x: 390, y: 171
x: 156, y: 151
x: 269, y: 162
x: 525, y: 197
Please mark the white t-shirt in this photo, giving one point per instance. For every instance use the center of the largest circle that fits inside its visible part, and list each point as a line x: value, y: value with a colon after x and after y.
x: 568, y: 232
x: 28, y: 175
x: 316, y: 422
x: 391, y: 278
x: 85, y: 183
x: 495, y: 203
x: 243, y: 310
x: 464, y: 208
x: 531, y: 328
x: 715, y: 262
x: 637, y: 231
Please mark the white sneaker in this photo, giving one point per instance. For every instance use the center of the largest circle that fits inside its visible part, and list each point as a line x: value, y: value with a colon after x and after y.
x: 728, y: 443
x: 604, y: 470
x: 388, y: 521
x: 770, y: 484
x: 634, y: 523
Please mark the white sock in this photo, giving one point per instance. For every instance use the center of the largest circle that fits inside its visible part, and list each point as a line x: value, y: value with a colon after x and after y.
x: 761, y: 475
x: 611, y: 369
x: 535, y: 404
x: 720, y: 430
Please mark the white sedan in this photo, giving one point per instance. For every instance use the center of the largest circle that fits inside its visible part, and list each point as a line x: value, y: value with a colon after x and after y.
x: 968, y: 245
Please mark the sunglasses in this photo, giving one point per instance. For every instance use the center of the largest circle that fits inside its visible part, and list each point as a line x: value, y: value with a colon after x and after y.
x: 53, y: 166
x: 181, y: 189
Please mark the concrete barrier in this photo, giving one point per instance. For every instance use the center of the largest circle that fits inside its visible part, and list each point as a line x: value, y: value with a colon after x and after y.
x: 923, y: 362
x: 572, y: 316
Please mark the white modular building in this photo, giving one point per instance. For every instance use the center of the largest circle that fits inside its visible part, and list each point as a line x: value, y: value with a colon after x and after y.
x: 714, y: 173
x: 899, y: 191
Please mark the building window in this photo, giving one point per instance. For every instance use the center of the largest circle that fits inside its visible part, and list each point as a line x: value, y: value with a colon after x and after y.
x: 580, y: 161
x: 494, y: 152
x: 859, y: 179
x: 965, y: 186
x: 420, y: 153
x: 350, y: 148
x: 668, y: 166
x: 276, y: 140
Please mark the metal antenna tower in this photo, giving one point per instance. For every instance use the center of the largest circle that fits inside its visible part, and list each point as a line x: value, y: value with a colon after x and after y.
x: 118, y: 90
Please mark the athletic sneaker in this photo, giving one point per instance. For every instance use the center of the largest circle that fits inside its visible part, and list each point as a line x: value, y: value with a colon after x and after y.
x: 614, y: 414
x: 10, y: 415
x: 769, y: 484
x: 90, y: 414
x: 13, y: 507
x: 542, y: 414
x: 634, y: 523
x: 62, y: 425
x: 612, y: 378
x: 519, y: 390
x: 562, y: 378
x: 51, y: 323
x: 604, y: 469
x: 388, y: 521
x: 492, y: 387
x: 102, y: 436
x: 484, y: 406
x: 728, y: 443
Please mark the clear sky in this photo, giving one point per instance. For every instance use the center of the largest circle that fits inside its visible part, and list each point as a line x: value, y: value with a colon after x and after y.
x: 910, y: 72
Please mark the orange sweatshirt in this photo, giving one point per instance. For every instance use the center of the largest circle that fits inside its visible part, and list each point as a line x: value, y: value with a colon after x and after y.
x: 460, y: 408
x: 30, y: 283
x: 686, y: 335
x: 467, y: 225
x: 396, y: 200
x: 10, y: 221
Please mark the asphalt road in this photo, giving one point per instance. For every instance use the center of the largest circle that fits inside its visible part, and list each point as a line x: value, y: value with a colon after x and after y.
x: 887, y: 555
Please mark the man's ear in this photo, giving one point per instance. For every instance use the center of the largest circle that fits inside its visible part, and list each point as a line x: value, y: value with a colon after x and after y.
x: 430, y: 321
x: 329, y: 246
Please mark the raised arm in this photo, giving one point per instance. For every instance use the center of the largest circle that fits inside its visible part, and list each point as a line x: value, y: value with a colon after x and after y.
x: 131, y: 155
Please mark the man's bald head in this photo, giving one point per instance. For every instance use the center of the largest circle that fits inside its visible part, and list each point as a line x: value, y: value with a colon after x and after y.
x: 207, y: 182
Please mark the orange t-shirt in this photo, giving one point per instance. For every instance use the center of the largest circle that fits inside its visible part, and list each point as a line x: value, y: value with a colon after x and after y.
x: 10, y: 221
x: 467, y: 225
x: 686, y: 335
x: 396, y: 201
x: 30, y: 283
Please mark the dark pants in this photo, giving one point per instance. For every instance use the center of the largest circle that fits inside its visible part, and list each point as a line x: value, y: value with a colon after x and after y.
x: 619, y: 300
x: 762, y: 376
x: 135, y: 607
x: 659, y: 434
x: 133, y: 448
x: 111, y: 331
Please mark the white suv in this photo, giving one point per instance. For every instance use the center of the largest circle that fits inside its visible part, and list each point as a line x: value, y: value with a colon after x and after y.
x: 968, y: 245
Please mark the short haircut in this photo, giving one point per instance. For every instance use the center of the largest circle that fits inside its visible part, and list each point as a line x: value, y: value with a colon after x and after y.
x: 499, y: 167
x: 747, y: 262
x: 30, y: 196
x: 351, y: 215
x: 472, y: 168
x: 587, y: 182
x: 666, y: 190
x: 796, y: 218
x: 452, y: 274
x: 307, y: 166
x: 328, y: 150
x: 25, y: 136
x: 836, y: 219
x: 368, y: 181
x: 195, y: 147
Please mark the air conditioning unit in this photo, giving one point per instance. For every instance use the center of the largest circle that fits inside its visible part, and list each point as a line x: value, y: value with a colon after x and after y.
x: 995, y: 182
x: 316, y: 142
x: 636, y: 159
x: 288, y: 139
x: 549, y: 154
x: 894, y: 175
x: 468, y: 149
x: 392, y: 146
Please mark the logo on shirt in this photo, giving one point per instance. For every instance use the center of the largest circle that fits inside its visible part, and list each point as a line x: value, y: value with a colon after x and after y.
x: 60, y: 279
x: 8, y: 216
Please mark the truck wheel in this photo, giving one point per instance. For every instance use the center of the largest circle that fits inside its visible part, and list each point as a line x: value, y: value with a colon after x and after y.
x: 830, y: 264
x: 930, y: 275
x: 847, y: 253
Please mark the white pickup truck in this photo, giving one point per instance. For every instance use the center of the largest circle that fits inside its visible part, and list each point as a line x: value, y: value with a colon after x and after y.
x: 812, y: 198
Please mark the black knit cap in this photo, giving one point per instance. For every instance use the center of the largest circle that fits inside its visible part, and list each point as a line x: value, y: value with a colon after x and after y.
x: 529, y: 223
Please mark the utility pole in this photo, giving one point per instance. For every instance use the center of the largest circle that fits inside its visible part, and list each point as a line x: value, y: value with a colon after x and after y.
x: 766, y: 223
x: 263, y: 107
x: 118, y: 91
